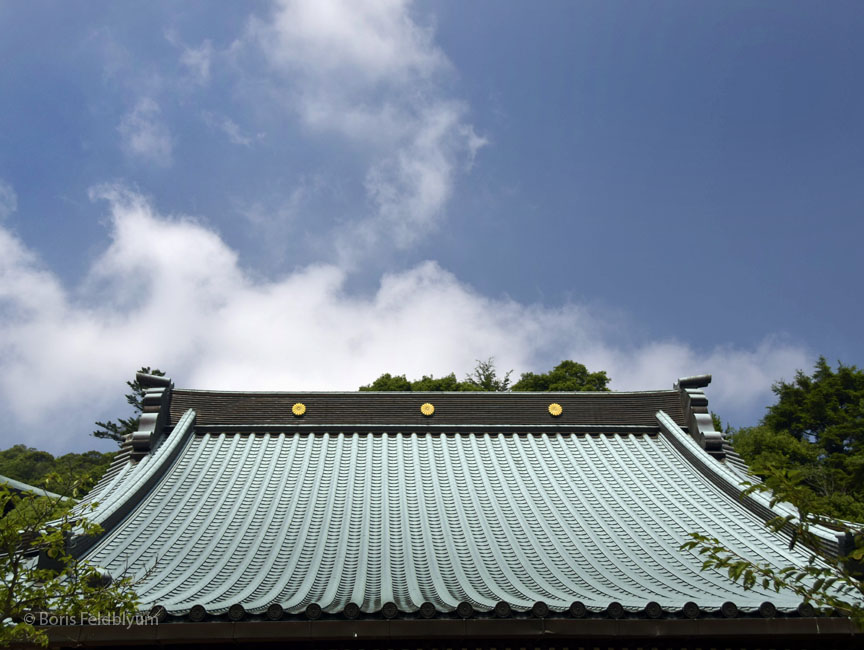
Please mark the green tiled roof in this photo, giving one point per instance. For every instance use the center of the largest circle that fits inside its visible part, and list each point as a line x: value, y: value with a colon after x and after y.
x: 300, y: 515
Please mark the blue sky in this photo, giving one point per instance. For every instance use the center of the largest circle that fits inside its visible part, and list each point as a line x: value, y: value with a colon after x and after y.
x: 302, y: 195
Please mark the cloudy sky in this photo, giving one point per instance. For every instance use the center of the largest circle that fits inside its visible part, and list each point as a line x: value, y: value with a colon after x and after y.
x: 303, y: 195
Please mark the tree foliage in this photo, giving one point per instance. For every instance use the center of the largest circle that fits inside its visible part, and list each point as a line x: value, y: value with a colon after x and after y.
x: 816, y: 428
x: 827, y: 582
x: 122, y: 427
x: 38, y: 575
x: 566, y: 376
x: 32, y: 466
x: 484, y: 377
x: 395, y: 383
x: 809, y: 451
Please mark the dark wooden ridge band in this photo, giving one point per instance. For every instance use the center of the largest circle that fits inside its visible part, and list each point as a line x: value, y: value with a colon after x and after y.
x: 226, y: 408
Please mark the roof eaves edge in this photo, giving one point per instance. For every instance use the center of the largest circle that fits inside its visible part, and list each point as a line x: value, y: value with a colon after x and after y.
x: 725, y: 479
x: 145, y: 475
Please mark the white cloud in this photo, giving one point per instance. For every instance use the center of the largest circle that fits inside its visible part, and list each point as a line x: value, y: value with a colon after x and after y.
x: 378, y: 41
x: 235, y: 134
x: 411, y: 187
x: 197, y: 61
x: 371, y: 74
x: 144, y: 135
x: 8, y: 199
x: 742, y: 378
x: 168, y: 292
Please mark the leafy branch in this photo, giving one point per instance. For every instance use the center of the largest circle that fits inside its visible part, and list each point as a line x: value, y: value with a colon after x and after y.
x: 39, y: 574
x: 826, y: 581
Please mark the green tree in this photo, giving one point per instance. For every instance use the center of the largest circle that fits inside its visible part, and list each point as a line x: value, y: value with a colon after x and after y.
x: 26, y: 464
x: 485, y: 377
x: 32, y: 466
x: 816, y: 428
x: 38, y: 575
x: 389, y: 383
x: 447, y: 383
x: 566, y: 376
x: 427, y: 383
x: 809, y: 451
x: 117, y: 431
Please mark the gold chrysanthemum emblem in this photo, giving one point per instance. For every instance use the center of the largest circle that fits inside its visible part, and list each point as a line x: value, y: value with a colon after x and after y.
x: 298, y: 409
x: 555, y: 409
x: 427, y: 409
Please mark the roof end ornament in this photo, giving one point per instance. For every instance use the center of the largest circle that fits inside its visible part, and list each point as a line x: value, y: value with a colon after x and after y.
x: 695, y: 381
x: 152, y: 381
x: 699, y: 422
x: 154, y: 412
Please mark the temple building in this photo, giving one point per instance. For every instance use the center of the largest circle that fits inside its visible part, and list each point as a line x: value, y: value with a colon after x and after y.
x: 439, y: 520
